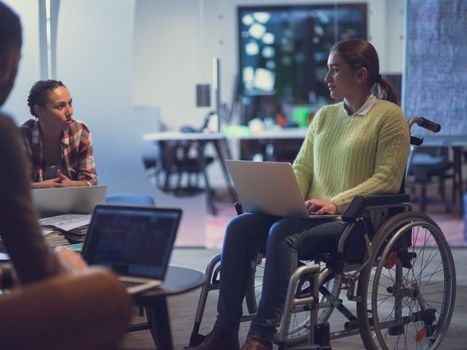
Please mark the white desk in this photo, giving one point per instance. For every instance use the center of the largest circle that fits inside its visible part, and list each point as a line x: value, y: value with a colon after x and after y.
x: 182, y: 136
x: 272, y: 134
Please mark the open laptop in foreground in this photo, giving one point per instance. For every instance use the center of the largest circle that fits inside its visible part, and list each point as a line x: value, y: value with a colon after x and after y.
x: 67, y: 200
x: 269, y: 188
x: 134, y: 242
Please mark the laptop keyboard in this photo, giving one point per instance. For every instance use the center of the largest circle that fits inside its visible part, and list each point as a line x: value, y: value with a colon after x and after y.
x: 131, y: 283
x: 134, y: 287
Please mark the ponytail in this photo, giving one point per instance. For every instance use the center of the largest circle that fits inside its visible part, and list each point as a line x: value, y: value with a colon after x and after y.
x: 384, y: 90
x: 360, y: 53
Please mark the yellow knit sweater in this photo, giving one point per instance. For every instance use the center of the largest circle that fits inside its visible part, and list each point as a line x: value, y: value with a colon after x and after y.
x: 343, y: 156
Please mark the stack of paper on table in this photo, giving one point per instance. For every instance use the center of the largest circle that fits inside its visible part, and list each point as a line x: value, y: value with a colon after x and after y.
x: 54, y: 238
x: 73, y: 226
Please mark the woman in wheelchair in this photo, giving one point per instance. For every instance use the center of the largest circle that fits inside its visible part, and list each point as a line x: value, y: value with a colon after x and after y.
x: 358, y: 146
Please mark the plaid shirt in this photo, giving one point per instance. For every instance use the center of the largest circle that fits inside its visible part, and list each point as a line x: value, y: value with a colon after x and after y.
x: 77, y: 157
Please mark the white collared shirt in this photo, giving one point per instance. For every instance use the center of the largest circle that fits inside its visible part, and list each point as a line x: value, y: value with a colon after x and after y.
x: 365, y: 108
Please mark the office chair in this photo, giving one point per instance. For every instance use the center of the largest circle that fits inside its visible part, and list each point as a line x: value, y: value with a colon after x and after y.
x: 427, y: 163
x: 147, y: 119
x: 185, y: 160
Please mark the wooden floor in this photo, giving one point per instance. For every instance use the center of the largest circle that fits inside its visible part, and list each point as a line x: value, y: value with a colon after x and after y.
x: 182, y: 309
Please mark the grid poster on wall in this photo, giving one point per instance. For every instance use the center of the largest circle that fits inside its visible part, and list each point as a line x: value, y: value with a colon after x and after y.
x: 435, y: 79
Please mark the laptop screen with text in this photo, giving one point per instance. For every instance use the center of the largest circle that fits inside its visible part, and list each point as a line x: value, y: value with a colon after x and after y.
x: 133, y: 241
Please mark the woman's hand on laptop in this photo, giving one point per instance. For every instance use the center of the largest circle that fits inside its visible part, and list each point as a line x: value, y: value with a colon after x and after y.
x: 70, y: 260
x: 60, y: 181
x: 319, y: 207
x: 65, y: 181
x: 50, y: 183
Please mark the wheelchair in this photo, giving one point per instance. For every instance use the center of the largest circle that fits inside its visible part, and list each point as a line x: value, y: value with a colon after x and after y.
x: 400, y: 286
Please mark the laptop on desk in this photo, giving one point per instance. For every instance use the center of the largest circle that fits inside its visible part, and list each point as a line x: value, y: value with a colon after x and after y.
x: 67, y: 200
x: 134, y: 242
x: 269, y: 188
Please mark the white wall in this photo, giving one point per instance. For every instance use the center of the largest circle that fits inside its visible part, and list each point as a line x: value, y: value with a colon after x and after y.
x: 96, y: 60
x: 94, y: 55
x: 29, y: 65
x: 166, y: 58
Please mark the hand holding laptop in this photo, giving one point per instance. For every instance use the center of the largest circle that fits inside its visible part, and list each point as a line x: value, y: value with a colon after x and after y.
x: 320, y: 207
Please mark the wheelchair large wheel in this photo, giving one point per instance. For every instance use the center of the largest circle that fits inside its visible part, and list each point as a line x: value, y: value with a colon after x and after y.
x: 299, y: 327
x: 408, y: 288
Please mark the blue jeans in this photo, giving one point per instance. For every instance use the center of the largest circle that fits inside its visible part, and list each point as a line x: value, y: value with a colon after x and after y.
x: 285, y: 240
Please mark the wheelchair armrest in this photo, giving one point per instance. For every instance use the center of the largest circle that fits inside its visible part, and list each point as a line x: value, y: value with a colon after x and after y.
x: 238, y: 208
x: 359, y: 203
x: 416, y: 141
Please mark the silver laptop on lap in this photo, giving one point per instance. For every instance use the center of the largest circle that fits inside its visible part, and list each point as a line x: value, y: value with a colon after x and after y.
x: 134, y: 242
x: 269, y: 188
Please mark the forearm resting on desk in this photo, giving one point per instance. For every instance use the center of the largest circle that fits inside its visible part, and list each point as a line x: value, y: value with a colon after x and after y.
x: 57, y: 182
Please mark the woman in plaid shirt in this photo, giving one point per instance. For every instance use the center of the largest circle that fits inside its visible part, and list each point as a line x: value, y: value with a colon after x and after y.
x: 60, y: 147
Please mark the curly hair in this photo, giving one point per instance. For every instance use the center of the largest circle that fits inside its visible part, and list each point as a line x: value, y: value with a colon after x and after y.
x: 39, y: 91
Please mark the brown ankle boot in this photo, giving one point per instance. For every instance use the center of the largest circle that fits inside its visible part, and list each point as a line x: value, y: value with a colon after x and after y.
x: 219, y: 338
x: 256, y: 344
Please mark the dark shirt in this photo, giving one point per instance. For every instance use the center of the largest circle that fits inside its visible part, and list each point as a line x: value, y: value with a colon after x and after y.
x: 19, y: 228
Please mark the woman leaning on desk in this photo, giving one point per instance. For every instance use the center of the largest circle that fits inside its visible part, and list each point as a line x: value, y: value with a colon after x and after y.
x: 59, y: 147
x: 358, y: 146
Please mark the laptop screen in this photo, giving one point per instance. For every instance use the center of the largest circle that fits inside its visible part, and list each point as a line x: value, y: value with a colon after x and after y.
x: 132, y: 241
